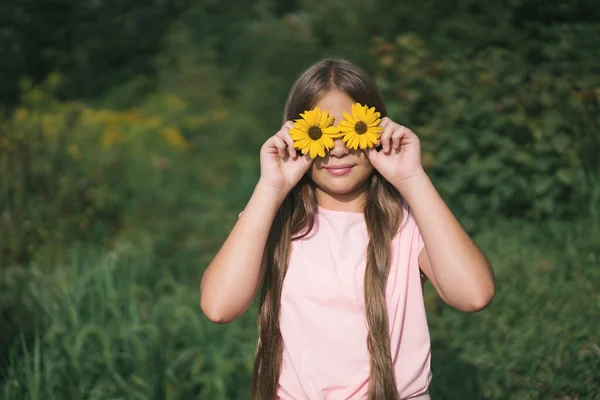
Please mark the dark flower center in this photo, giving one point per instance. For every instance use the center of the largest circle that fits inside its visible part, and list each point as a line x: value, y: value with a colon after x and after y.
x: 315, y: 133
x: 360, y: 127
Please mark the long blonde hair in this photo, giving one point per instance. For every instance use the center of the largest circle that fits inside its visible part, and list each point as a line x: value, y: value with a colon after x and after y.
x: 295, y: 219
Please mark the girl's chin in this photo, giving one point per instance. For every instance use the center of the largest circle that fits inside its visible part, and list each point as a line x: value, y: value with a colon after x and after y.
x: 340, y: 187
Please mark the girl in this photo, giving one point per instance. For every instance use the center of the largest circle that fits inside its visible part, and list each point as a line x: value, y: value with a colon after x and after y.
x: 341, y: 245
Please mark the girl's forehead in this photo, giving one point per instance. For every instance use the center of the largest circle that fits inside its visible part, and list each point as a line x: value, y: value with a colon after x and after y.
x: 335, y: 103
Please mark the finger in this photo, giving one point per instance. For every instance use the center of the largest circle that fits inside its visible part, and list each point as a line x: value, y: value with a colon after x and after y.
x: 397, y: 136
x: 285, y: 135
x: 285, y: 129
x: 386, y: 136
x: 372, y: 155
x: 307, y: 161
x: 288, y: 125
x: 280, y: 144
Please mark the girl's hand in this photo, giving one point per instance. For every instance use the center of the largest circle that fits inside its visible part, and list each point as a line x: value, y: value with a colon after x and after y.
x: 281, y: 167
x: 399, y: 159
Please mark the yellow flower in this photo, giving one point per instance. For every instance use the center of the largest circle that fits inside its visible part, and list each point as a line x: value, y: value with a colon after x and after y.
x: 173, y: 136
x: 110, y: 137
x: 313, y: 132
x: 362, y: 128
x: 154, y: 122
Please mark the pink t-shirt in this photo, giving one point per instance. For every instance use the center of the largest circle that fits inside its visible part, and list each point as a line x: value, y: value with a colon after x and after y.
x: 323, y: 323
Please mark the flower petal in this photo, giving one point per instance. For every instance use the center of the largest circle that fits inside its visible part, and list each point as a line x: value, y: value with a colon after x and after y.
x: 301, y: 124
x: 297, y: 135
x: 349, y: 118
x: 327, y: 141
x: 351, y: 141
x: 321, y: 151
x: 370, y: 140
x: 376, y: 122
x: 374, y: 129
x: 347, y: 124
x: 374, y: 137
x: 372, y: 117
x: 300, y: 144
x: 363, y: 142
x: 360, y: 112
x: 313, y: 149
x: 309, y: 117
x: 323, y: 119
x: 332, y: 131
x: 356, y: 111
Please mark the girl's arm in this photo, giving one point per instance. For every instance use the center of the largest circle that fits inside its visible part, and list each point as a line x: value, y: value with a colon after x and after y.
x: 235, y: 274
x: 232, y: 278
x: 457, y: 268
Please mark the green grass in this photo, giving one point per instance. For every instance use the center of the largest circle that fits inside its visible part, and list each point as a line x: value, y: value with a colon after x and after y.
x: 539, y: 338
x: 117, y: 325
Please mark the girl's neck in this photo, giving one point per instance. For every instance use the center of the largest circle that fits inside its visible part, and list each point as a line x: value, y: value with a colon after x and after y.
x: 349, y: 202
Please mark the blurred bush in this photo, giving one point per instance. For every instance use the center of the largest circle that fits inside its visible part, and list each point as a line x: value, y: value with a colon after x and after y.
x: 500, y: 136
x: 97, y: 44
x: 150, y: 134
x: 73, y: 172
x: 118, y: 326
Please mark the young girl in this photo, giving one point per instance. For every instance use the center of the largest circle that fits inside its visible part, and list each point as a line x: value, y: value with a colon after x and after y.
x: 341, y: 245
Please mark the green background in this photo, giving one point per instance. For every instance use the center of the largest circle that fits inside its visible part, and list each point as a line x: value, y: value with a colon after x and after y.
x: 129, y: 140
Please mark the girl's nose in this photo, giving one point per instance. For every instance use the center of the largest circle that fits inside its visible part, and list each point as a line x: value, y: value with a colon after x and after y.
x: 339, y: 148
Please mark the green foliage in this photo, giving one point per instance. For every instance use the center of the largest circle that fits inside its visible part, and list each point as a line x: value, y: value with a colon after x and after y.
x: 110, y: 209
x: 539, y: 337
x: 70, y: 171
x: 500, y: 136
x: 117, y: 324
x: 96, y: 44
x: 506, y: 107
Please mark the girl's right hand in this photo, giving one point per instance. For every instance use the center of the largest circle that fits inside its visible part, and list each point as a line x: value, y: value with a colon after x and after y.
x: 280, y: 166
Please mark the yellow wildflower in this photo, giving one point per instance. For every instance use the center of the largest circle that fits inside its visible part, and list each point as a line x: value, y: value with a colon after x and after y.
x: 110, y: 137
x: 314, y: 133
x: 173, y: 136
x: 154, y: 122
x: 361, y: 129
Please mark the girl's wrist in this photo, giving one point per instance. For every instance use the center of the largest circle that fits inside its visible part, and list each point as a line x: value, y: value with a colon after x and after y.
x: 408, y: 186
x: 270, y: 193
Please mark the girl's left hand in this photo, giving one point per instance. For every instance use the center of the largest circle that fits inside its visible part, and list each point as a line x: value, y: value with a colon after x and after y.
x: 399, y: 159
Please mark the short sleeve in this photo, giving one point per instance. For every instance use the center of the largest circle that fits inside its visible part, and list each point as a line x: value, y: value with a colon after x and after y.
x: 412, y: 228
x: 419, y: 243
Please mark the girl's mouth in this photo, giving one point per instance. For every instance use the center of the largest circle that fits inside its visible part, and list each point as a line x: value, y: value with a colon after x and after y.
x: 339, y: 170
